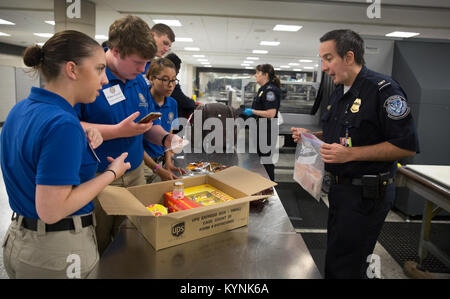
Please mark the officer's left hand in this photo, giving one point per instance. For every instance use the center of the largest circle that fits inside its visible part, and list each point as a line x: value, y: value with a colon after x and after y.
x: 248, y: 112
x: 94, y: 137
x: 334, y: 153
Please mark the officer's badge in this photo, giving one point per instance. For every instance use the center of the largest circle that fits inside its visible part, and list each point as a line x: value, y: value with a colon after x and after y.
x: 270, y: 96
x: 328, y: 107
x: 355, y: 106
x: 260, y: 94
x: 396, y: 107
x: 170, y: 116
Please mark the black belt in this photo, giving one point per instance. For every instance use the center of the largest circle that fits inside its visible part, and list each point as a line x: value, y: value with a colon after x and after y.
x: 356, y: 181
x: 62, y: 225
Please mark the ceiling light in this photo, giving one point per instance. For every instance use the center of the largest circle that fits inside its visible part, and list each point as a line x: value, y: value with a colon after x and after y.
x: 50, y: 22
x: 174, y: 23
x: 285, y: 66
x: 252, y: 58
x: 184, y: 39
x: 202, y: 59
x: 47, y: 35
x: 305, y: 60
x: 293, y: 63
x: 5, y: 22
x: 245, y: 64
x: 260, y: 52
x: 268, y: 43
x: 308, y: 68
x: 101, y: 36
x: 402, y: 34
x: 40, y: 44
x: 298, y: 70
x: 4, y: 34
x: 191, y: 49
x: 292, y: 28
x: 207, y: 66
x: 245, y: 61
x: 277, y: 69
x: 198, y: 55
x: 204, y: 62
x: 249, y: 68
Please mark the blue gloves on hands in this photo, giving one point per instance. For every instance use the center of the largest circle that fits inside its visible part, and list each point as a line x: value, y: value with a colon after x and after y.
x: 248, y: 112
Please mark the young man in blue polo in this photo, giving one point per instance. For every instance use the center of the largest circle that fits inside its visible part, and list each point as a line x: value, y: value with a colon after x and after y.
x: 122, y: 102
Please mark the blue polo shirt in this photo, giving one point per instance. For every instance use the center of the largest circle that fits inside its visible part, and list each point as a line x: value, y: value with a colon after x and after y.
x: 102, y: 111
x: 169, y: 111
x: 43, y: 143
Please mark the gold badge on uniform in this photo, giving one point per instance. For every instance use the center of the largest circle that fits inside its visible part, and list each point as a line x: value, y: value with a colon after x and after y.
x: 328, y: 107
x: 355, y: 106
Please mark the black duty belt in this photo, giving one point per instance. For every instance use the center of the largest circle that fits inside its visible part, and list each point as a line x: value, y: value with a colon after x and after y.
x: 62, y: 225
x: 382, y: 179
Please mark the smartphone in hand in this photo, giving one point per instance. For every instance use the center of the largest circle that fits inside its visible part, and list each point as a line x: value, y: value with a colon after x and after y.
x: 149, y: 117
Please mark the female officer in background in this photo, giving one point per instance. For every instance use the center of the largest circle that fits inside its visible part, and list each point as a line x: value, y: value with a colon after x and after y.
x: 48, y: 163
x: 265, y: 105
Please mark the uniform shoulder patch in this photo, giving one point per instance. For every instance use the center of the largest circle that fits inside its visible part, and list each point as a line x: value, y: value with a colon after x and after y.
x: 396, y: 107
x: 270, y: 96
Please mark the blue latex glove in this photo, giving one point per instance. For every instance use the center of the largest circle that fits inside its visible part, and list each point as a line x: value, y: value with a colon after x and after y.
x: 248, y: 112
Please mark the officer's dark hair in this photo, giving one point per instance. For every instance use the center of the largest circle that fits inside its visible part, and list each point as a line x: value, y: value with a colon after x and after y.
x: 175, y: 59
x: 157, y: 65
x: 163, y: 29
x: 346, y: 40
x: 63, y: 46
x: 131, y: 35
x: 268, y: 69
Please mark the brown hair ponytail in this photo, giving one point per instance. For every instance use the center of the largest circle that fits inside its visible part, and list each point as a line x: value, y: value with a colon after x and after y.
x: 268, y: 69
x: 64, y: 46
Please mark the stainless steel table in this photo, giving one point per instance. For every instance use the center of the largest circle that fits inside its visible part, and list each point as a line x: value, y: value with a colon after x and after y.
x: 267, y: 248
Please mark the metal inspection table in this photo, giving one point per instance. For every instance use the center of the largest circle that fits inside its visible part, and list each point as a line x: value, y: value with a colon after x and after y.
x: 433, y: 183
x: 267, y: 247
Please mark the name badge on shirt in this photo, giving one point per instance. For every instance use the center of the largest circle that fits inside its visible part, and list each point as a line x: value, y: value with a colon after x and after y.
x: 113, y: 94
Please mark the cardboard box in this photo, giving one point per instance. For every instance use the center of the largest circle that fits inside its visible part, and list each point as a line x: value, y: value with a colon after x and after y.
x: 183, y: 226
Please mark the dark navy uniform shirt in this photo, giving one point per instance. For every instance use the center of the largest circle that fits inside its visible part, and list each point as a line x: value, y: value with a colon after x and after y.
x: 373, y: 111
x: 267, y: 97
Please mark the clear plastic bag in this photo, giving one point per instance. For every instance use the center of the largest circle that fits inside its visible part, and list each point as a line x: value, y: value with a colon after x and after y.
x: 309, y: 167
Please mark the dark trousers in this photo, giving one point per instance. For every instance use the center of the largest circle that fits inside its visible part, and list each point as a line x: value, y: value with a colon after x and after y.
x: 354, y: 224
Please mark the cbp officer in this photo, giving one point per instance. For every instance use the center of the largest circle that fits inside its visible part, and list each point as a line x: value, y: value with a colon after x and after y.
x: 265, y: 105
x: 48, y: 163
x: 367, y: 127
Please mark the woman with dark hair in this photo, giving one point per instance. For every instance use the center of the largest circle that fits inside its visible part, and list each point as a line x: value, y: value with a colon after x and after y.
x: 48, y: 163
x: 265, y: 106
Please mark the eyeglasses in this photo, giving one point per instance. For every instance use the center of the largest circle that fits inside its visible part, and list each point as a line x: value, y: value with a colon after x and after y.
x: 167, y: 81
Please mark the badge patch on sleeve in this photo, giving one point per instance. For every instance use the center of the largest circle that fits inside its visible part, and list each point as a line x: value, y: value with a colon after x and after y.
x: 396, y: 107
x: 270, y: 96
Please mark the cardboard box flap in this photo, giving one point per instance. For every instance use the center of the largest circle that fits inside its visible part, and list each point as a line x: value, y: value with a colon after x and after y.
x: 252, y: 184
x: 120, y: 201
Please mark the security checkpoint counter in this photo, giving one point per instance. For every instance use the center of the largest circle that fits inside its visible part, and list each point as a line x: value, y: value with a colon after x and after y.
x: 267, y: 248
x: 432, y: 182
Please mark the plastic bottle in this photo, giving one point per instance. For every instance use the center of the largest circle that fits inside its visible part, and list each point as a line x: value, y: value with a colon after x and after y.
x: 178, y: 190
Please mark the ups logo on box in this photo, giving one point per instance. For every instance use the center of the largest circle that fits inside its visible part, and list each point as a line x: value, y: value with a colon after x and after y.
x: 178, y: 229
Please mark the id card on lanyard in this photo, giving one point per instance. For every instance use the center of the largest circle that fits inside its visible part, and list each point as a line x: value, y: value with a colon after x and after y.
x: 346, y: 141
